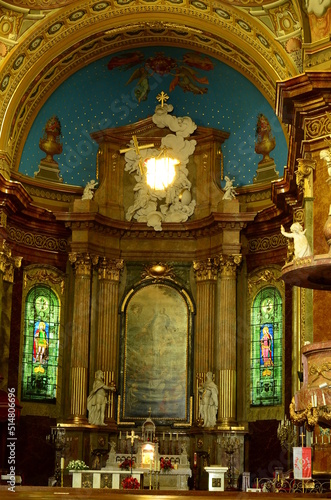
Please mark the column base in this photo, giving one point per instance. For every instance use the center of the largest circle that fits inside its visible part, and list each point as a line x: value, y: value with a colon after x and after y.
x: 226, y: 424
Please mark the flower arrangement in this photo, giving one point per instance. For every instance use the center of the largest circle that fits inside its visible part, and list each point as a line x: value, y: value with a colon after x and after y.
x: 77, y: 465
x: 127, y: 464
x: 262, y: 127
x: 53, y: 126
x: 166, y: 464
x: 130, y: 483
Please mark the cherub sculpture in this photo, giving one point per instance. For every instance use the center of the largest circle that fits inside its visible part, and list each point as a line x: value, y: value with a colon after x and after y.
x: 229, y: 190
x: 88, y: 192
x: 301, y: 245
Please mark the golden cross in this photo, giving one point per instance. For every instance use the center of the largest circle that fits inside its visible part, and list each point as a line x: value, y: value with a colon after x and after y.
x: 162, y: 97
x: 132, y: 437
x: 302, y: 436
x: 137, y: 149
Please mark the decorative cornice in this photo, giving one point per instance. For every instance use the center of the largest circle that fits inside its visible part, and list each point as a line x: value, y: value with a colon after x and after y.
x: 267, y: 243
x: 36, y: 240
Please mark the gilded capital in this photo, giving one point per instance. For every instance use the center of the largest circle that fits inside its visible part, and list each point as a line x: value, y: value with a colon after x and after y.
x: 110, y: 269
x: 206, y: 269
x: 82, y: 263
x: 304, y: 176
x: 229, y: 264
x: 8, y: 263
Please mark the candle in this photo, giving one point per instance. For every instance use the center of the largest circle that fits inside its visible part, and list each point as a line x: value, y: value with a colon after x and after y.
x: 120, y: 434
x: 323, y: 397
x: 163, y: 436
x: 170, y: 436
x: 62, y: 463
x: 315, y: 399
x: 312, y: 400
x: 257, y: 483
x: 195, y: 459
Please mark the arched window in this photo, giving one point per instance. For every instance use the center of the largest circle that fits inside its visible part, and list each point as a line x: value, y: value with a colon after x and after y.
x: 266, y: 347
x: 40, y: 345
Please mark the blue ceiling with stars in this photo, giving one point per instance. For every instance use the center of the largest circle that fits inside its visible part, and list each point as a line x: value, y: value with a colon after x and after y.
x: 121, y: 89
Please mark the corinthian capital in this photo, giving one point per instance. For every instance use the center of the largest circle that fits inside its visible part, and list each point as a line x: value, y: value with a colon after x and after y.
x: 304, y: 176
x: 229, y: 264
x: 8, y: 263
x: 110, y: 269
x: 206, y: 269
x: 82, y: 263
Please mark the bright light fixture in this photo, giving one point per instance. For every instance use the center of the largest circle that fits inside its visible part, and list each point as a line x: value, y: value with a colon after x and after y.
x: 160, y: 171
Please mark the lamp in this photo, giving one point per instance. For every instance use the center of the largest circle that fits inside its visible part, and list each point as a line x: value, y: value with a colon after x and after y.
x: 160, y: 171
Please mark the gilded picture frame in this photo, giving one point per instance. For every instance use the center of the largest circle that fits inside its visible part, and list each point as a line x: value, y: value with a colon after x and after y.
x: 156, y: 354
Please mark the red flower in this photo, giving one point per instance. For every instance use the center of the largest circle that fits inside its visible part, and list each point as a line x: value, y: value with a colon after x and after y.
x: 130, y: 483
x: 166, y: 464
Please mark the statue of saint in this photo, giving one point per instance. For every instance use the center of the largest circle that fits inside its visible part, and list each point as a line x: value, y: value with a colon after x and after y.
x: 88, y: 192
x: 97, y: 400
x: 208, y: 401
x: 229, y: 190
x: 301, y: 245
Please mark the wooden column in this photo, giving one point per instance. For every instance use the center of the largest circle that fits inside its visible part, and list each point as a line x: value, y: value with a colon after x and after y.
x: 107, y: 337
x: 80, y: 336
x: 226, y: 342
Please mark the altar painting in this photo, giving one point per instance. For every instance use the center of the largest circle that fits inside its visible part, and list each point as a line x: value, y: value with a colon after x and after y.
x: 156, y: 354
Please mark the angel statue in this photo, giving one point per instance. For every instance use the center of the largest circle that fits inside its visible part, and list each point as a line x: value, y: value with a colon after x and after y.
x: 89, y: 190
x: 301, y: 245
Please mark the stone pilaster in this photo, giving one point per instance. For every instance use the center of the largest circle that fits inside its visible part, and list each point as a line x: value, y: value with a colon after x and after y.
x: 226, y: 342
x: 7, y: 268
x: 107, y: 338
x: 206, y: 277
x: 80, y: 336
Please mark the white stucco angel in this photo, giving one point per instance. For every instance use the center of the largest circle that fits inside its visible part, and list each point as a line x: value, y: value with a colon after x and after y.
x: 301, y: 245
x: 88, y: 192
x: 229, y: 190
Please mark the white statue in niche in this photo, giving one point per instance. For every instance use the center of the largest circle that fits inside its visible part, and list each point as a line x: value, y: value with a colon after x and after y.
x: 208, y: 401
x: 97, y: 400
x: 88, y: 192
x: 229, y: 190
x: 174, y: 203
x: 301, y: 245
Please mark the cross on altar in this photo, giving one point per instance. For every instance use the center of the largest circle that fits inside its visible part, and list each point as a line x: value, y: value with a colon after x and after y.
x: 132, y: 437
x: 162, y: 97
x: 137, y: 149
x: 302, y: 437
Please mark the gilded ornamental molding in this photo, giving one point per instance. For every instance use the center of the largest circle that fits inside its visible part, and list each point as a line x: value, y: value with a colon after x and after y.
x: 39, y: 241
x: 8, y: 263
x: 206, y: 270
x: 110, y: 269
x: 83, y: 262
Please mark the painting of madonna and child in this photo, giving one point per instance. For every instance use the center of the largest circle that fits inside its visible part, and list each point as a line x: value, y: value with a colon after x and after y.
x: 157, y: 354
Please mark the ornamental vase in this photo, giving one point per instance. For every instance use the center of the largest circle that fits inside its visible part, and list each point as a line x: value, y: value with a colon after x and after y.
x: 264, y: 146
x: 50, y: 145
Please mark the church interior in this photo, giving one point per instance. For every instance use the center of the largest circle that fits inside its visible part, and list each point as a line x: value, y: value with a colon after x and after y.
x: 165, y: 168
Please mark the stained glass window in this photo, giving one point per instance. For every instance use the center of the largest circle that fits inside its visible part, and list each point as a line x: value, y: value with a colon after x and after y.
x: 266, y: 348
x: 41, y: 345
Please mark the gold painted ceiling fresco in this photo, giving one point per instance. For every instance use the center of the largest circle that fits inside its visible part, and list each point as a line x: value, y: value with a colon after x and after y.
x: 44, y: 42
